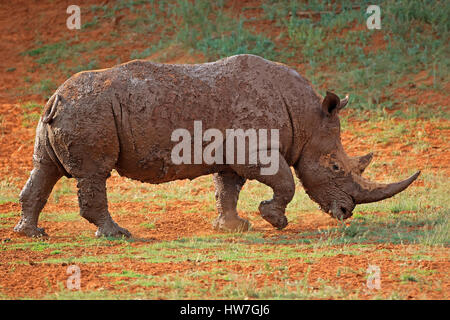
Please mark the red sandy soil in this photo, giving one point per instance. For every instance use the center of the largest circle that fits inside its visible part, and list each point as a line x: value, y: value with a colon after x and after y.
x: 22, y: 22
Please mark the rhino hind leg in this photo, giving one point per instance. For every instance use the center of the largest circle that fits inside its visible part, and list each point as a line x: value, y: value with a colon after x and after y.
x: 228, y: 185
x: 85, y: 140
x: 34, y: 195
x: 94, y: 206
x: 283, y: 186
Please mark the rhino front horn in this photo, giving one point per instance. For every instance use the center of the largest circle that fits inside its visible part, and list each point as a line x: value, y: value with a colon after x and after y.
x: 368, y: 191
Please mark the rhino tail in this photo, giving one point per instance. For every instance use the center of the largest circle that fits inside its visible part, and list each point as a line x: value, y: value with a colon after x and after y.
x: 50, y: 108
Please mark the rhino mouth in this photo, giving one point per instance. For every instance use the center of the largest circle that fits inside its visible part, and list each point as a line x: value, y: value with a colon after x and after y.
x: 341, y: 211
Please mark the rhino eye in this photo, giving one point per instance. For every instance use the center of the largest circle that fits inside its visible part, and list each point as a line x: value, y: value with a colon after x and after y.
x: 335, y: 167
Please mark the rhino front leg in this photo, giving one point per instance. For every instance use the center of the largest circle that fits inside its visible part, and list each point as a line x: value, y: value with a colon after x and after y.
x: 228, y: 185
x: 283, y: 186
x: 94, y: 207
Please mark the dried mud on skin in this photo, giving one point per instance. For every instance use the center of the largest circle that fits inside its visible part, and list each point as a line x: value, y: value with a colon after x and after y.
x: 23, y: 274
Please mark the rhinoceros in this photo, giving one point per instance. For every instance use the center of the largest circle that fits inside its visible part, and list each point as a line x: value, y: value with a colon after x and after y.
x: 122, y: 118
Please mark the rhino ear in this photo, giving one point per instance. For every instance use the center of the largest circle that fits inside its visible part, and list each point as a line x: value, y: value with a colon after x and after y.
x: 331, y: 103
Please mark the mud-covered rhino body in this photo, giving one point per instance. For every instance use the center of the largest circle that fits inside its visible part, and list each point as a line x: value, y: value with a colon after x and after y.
x: 122, y: 118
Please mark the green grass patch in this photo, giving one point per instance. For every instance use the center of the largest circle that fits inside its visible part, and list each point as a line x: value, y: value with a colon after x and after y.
x: 54, y: 53
x: 148, y: 225
x: 126, y: 274
x: 408, y: 278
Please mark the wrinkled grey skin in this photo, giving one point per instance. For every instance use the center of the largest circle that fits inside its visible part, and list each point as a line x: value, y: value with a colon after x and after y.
x: 122, y: 118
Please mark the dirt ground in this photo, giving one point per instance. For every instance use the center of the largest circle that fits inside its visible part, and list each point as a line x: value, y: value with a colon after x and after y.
x: 30, y: 273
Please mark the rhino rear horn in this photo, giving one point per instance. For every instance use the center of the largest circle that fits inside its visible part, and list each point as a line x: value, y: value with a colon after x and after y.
x: 362, y: 162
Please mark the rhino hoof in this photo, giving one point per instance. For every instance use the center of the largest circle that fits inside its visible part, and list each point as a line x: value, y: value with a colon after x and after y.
x: 234, y: 224
x: 273, y: 215
x: 112, y: 229
x: 29, y: 231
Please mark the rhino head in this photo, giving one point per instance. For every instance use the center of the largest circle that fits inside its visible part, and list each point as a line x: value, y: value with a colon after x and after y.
x: 329, y: 176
